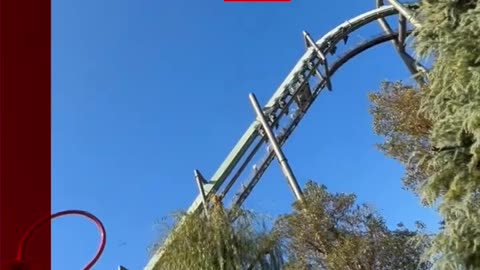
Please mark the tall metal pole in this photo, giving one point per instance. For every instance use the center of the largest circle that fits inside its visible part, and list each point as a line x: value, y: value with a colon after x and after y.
x: 405, y: 12
x: 413, y: 66
x: 287, y: 171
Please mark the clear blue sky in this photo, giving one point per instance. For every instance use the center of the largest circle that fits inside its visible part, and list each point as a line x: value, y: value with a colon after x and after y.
x: 146, y: 91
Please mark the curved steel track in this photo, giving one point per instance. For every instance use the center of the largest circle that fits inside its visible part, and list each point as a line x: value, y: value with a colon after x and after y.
x: 309, y: 77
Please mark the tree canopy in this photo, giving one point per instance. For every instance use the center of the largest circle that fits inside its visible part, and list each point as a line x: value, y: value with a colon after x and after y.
x: 396, y: 117
x: 330, y: 231
x: 225, y: 239
x: 444, y: 148
x: 327, y: 231
x: 450, y: 34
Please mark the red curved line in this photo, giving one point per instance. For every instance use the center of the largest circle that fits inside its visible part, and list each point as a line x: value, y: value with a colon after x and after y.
x: 39, y: 223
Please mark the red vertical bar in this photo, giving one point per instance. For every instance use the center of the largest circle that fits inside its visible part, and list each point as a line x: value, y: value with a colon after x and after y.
x: 25, y: 128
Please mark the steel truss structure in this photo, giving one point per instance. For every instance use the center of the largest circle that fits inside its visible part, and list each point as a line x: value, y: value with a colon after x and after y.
x: 308, y: 78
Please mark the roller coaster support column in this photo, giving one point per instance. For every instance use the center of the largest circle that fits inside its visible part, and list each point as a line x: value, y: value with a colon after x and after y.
x: 405, y: 12
x: 287, y: 171
x: 399, y: 43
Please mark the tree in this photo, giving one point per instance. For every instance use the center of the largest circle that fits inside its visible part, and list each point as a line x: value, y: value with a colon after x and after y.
x: 226, y: 239
x: 329, y: 231
x: 396, y: 117
x: 448, y: 152
x: 450, y: 34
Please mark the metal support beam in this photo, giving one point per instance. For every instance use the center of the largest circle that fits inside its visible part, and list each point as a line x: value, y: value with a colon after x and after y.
x: 402, y: 28
x: 200, y: 181
x: 385, y: 26
x: 323, y: 59
x: 399, y: 44
x: 405, y: 12
x: 287, y: 171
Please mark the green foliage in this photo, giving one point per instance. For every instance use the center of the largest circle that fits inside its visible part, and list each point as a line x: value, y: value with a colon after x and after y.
x: 218, y: 243
x: 450, y: 33
x: 329, y: 231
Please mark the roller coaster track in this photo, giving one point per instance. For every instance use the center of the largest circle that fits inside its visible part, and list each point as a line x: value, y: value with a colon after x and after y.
x: 283, y: 112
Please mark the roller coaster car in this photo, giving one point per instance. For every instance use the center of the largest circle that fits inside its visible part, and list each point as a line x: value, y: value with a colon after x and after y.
x: 303, y: 97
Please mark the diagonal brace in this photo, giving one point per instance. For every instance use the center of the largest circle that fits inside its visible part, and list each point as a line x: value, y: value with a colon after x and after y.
x: 323, y: 59
x: 287, y: 171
